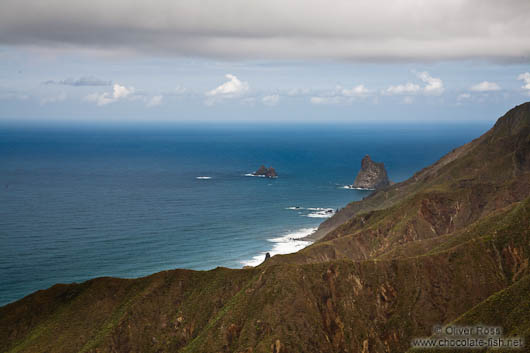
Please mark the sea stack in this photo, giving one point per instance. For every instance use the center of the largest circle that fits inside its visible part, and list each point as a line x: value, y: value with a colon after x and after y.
x: 266, y: 172
x: 371, y: 176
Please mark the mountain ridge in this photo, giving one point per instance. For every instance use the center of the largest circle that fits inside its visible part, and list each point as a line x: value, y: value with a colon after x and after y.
x: 451, y: 243
x: 388, y: 197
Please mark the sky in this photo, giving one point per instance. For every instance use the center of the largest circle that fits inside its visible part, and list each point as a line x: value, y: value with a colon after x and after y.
x: 302, y: 61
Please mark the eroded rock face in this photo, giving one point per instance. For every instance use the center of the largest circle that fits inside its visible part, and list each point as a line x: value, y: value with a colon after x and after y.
x: 261, y: 171
x: 266, y: 172
x: 372, y: 175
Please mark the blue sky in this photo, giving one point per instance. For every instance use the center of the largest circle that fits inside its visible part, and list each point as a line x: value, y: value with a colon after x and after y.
x: 120, y: 64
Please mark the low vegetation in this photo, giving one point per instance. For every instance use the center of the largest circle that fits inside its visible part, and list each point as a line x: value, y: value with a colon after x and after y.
x: 449, y: 245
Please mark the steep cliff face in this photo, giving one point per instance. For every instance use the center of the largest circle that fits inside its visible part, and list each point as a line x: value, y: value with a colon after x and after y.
x: 491, y: 169
x: 372, y: 175
x: 451, y: 243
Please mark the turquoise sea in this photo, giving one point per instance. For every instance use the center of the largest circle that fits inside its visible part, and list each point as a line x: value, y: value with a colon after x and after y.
x: 78, y: 203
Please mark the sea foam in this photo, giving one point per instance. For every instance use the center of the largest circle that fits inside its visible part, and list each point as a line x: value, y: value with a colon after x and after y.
x: 203, y: 177
x: 351, y: 187
x: 286, y: 244
x: 321, y: 212
x: 314, y: 212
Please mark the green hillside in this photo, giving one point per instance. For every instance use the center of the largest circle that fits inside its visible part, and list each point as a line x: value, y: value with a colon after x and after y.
x: 449, y: 245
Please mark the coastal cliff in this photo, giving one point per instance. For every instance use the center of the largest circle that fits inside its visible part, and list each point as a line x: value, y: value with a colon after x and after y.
x: 450, y: 244
x: 372, y: 175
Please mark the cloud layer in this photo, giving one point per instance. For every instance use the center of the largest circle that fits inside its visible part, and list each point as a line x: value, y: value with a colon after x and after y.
x: 79, y: 82
x: 341, y: 95
x: 485, y: 86
x: 271, y: 100
x: 408, y: 88
x: 359, y: 30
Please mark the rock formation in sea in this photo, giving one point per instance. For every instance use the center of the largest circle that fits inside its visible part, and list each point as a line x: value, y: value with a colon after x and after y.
x: 449, y: 245
x: 371, y: 176
x: 271, y: 173
x: 266, y: 172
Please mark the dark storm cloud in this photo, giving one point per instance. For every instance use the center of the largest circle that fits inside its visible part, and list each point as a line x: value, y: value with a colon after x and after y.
x: 359, y: 30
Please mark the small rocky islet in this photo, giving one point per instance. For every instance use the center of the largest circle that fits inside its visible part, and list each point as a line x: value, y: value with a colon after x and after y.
x: 266, y: 172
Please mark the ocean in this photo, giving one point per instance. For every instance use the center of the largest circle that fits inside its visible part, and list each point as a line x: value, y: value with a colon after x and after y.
x: 78, y: 203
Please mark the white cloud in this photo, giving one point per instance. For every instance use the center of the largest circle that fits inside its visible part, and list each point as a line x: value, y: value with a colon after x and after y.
x: 271, y: 100
x: 341, y: 95
x: 485, y: 86
x: 525, y: 77
x: 233, y: 88
x: 299, y: 92
x: 118, y: 92
x: 99, y: 99
x: 357, y: 91
x: 154, y: 101
x: 178, y: 91
x: 230, y: 89
x: 433, y: 85
x: 121, y: 91
x: 326, y: 100
x: 409, y: 88
x: 54, y: 99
